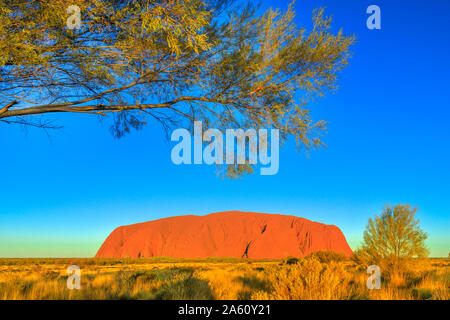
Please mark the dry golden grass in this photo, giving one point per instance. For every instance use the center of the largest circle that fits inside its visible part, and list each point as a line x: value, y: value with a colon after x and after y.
x: 164, y: 278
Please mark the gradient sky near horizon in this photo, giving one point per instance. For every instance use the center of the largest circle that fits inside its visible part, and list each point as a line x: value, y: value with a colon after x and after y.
x: 388, y: 142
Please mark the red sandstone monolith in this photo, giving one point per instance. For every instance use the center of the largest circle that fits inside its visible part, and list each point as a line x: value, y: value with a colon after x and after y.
x: 224, y: 234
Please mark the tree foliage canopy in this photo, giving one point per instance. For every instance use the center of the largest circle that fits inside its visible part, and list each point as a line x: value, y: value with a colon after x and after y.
x: 175, y: 61
x: 395, y: 235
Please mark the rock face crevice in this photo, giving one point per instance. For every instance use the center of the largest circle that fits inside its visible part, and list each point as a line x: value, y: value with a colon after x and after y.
x: 245, y: 254
x: 264, y: 229
x: 224, y: 234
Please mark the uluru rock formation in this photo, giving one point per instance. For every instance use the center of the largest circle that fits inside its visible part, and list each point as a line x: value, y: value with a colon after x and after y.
x: 224, y: 234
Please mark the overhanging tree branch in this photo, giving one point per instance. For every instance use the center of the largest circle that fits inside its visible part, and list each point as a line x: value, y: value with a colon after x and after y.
x: 174, y: 61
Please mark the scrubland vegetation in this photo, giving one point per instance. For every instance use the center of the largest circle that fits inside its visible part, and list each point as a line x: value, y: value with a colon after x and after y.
x: 322, y: 275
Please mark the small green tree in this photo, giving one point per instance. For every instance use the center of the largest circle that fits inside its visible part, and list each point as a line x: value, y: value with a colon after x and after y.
x: 393, y: 236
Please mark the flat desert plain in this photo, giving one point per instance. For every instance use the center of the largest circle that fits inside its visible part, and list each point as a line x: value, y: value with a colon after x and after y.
x: 323, y: 275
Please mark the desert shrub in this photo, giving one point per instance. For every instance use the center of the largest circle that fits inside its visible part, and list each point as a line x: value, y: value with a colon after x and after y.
x: 309, y: 279
x: 228, y: 282
x: 289, y: 260
x: 143, y: 276
x: 189, y: 288
x: 327, y: 256
x: 391, y: 268
x: 51, y: 275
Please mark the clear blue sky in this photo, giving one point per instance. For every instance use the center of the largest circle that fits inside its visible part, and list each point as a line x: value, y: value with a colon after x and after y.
x: 388, y: 143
